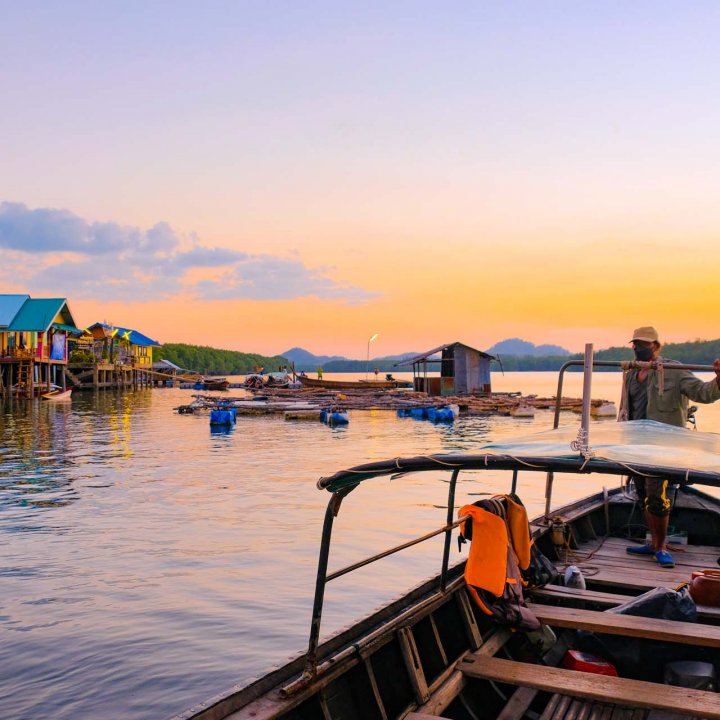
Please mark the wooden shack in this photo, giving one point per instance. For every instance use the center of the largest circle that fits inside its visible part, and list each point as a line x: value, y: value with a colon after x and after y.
x: 33, y: 343
x: 121, y: 346
x: 463, y: 370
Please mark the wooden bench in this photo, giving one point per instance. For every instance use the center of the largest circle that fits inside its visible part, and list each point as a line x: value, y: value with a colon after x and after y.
x: 628, y: 625
x: 598, y: 597
x: 623, y: 691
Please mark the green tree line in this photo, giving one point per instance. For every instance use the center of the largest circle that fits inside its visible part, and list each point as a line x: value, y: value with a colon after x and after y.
x: 211, y: 361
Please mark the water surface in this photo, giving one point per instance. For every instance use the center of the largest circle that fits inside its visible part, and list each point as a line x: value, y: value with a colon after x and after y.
x: 148, y: 563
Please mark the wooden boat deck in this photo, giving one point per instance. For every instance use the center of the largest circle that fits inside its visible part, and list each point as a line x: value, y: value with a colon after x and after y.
x: 605, y: 564
x: 612, y: 577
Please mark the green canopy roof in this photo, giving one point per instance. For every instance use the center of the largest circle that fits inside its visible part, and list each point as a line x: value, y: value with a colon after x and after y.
x: 70, y: 329
x: 39, y: 315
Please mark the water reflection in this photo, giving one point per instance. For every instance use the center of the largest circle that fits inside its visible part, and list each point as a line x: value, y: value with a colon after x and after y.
x: 150, y: 561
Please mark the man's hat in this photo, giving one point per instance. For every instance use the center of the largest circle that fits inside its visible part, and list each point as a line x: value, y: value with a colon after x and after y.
x: 647, y: 334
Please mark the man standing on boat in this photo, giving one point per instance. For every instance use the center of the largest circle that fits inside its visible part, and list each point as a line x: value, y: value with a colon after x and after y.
x: 642, y: 399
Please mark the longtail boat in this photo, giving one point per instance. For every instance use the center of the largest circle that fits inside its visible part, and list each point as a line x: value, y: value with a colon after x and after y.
x: 437, y: 653
x: 353, y: 384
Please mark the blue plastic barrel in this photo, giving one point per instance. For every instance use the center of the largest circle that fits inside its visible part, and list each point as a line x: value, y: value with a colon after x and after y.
x: 443, y: 415
x: 338, y: 418
x: 224, y: 416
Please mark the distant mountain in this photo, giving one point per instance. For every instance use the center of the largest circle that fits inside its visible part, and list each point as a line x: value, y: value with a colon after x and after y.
x: 396, y: 358
x: 305, y: 360
x: 523, y: 348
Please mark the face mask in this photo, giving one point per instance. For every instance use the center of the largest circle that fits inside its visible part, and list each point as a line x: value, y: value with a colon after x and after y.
x: 643, y: 354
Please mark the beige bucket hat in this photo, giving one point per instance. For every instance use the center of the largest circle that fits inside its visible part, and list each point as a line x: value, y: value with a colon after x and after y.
x: 646, y: 334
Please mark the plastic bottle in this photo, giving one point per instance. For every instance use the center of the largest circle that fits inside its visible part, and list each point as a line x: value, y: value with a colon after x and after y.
x: 574, y: 578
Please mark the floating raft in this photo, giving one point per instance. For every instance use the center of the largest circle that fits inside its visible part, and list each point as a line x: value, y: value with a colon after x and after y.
x: 394, y: 400
x: 248, y: 406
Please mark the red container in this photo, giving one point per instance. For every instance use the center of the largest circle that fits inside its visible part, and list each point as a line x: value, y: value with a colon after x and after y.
x: 585, y: 662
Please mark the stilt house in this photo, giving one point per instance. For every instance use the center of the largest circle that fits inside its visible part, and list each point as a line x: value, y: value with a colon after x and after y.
x: 34, y: 342
x: 463, y: 370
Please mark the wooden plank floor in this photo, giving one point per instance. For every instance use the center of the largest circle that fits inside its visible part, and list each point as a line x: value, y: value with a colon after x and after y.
x: 624, y: 692
x: 605, y: 562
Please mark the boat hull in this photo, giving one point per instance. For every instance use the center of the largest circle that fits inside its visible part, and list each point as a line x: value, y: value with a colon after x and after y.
x: 421, y: 652
x: 351, y: 384
x: 58, y: 395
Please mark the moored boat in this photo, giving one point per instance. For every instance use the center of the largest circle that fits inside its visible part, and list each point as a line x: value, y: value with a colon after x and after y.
x: 437, y: 652
x: 216, y: 384
x: 58, y: 394
x: 352, y: 384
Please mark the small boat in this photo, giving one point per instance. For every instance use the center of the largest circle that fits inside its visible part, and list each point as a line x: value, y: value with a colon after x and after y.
x: 440, y: 651
x: 216, y: 384
x: 254, y: 381
x: 57, y: 394
x: 351, y: 384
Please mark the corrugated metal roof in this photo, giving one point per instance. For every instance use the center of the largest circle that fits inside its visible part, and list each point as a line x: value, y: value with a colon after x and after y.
x: 38, y: 315
x: 167, y: 365
x: 9, y: 307
x: 426, y: 355
x: 133, y: 336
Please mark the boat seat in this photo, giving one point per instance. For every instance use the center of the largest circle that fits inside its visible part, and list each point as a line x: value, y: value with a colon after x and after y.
x: 423, y: 716
x: 589, y: 686
x: 598, y: 597
x: 674, y: 631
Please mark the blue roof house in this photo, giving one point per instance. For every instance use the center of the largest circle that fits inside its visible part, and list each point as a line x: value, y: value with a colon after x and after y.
x: 122, y: 345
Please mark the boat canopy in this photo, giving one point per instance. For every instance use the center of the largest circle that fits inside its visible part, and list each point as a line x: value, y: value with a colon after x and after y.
x: 634, y: 447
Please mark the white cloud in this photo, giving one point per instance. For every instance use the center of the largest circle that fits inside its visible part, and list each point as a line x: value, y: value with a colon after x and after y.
x: 109, y: 261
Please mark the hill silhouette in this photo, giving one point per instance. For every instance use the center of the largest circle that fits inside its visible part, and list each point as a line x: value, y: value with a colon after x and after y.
x: 517, y: 347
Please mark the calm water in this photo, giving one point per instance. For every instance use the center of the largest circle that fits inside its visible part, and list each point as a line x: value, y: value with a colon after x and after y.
x: 148, y: 564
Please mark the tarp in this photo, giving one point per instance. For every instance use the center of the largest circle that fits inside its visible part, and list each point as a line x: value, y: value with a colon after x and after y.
x: 617, y: 448
x: 639, y: 441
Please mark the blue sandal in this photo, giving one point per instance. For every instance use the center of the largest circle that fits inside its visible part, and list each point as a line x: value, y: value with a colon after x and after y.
x: 664, y: 559
x: 640, y: 550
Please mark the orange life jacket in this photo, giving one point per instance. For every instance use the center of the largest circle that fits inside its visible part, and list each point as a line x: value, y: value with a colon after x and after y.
x: 501, y: 547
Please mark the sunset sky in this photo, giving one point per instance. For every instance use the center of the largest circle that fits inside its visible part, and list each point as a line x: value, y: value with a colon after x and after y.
x: 262, y: 175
